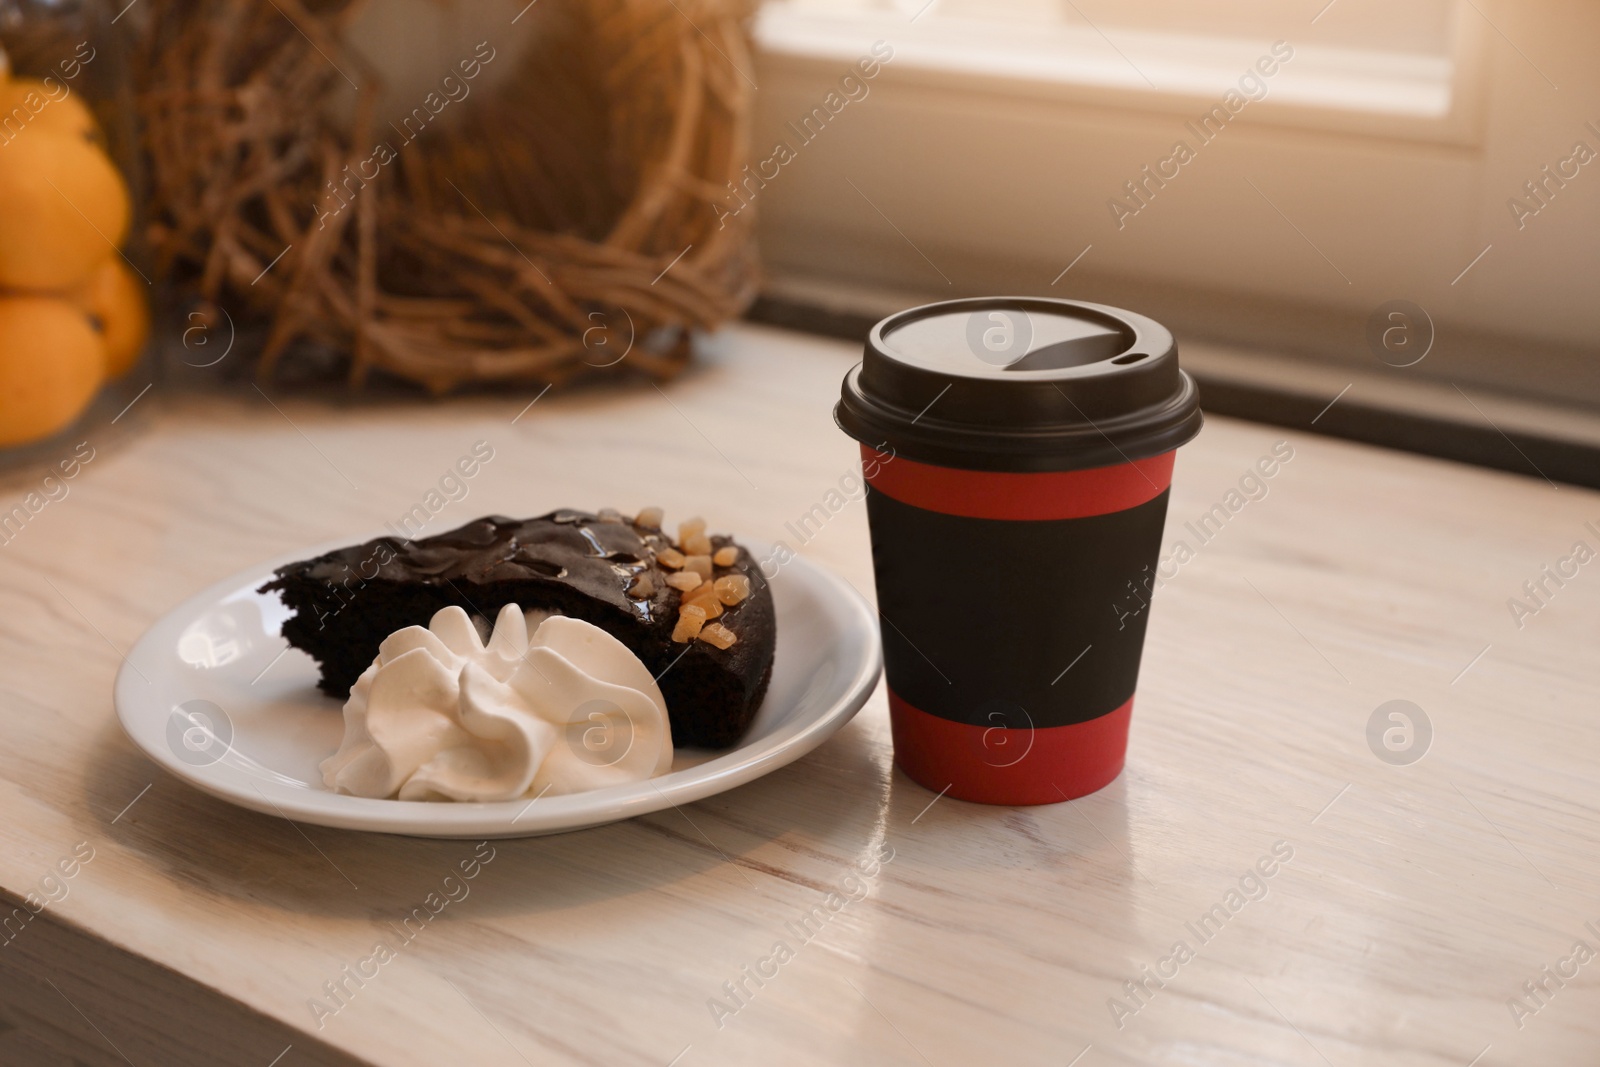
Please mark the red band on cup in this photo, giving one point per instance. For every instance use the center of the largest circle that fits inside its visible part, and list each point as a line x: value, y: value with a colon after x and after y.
x: 1037, y: 495
x: 996, y: 765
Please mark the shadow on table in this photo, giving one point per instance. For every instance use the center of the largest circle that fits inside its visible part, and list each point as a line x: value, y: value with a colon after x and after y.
x: 1088, y: 836
x: 220, y: 849
x: 826, y: 812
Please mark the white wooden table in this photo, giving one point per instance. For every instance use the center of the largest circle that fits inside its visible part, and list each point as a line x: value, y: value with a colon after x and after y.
x: 1417, y: 901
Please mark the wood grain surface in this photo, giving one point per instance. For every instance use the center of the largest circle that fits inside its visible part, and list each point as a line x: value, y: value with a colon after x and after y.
x: 1405, y: 908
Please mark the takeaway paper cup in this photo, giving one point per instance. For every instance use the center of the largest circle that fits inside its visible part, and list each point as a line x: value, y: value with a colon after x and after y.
x: 1018, y: 453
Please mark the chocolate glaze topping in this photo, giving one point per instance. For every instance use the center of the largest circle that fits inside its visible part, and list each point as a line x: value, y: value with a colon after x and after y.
x: 598, y: 559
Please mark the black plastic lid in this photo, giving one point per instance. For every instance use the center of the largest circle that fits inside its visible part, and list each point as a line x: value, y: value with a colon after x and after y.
x: 1020, y: 384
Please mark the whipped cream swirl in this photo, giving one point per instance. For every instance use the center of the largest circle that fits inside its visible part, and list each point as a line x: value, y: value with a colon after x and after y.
x: 440, y: 715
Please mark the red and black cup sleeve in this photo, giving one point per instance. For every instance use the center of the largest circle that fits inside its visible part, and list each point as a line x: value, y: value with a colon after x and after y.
x: 1013, y: 610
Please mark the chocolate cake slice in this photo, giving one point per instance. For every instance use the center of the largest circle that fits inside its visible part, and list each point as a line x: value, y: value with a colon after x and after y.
x: 708, y: 642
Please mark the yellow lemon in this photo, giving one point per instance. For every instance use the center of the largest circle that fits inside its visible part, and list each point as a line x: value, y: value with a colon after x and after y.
x: 51, y: 364
x: 28, y: 105
x: 114, y: 296
x: 63, y: 208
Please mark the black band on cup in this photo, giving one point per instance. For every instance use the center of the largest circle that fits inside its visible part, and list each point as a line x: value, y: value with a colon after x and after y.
x: 1043, y: 616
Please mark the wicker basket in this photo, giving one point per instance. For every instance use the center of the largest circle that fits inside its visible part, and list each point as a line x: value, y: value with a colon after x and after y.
x: 565, y: 218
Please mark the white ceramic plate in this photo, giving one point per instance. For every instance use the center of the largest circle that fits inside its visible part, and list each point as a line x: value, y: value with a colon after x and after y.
x: 218, y: 663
